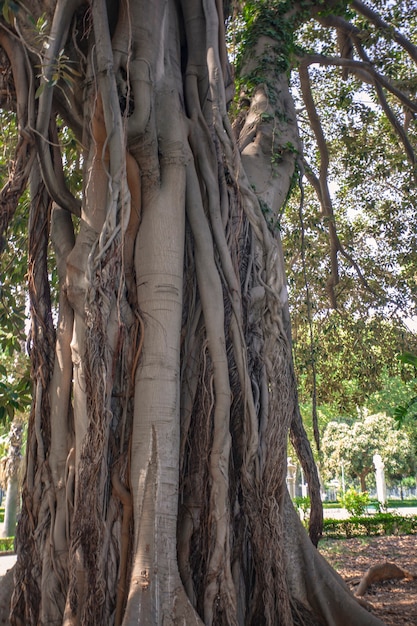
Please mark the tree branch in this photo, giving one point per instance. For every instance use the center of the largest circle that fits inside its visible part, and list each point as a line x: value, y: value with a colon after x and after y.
x: 377, y: 20
x: 64, y: 12
x: 314, y: 182
x: 360, y: 67
x: 324, y: 195
x: 378, y: 80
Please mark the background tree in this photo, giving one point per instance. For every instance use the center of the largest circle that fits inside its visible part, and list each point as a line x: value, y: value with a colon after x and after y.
x: 11, y: 477
x: 15, y: 385
x: 346, y: 343
x: 163, y: 389
x: 354, y: 358
x: 355, y: 444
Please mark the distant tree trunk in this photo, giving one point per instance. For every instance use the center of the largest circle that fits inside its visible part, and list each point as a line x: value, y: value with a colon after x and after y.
x: 362, y: 477
x: 12, y: 473
x: 11, y: 506
x: 157, y: 444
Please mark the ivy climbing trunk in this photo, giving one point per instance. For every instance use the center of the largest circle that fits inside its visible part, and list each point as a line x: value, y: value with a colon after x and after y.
x: 155, y: 486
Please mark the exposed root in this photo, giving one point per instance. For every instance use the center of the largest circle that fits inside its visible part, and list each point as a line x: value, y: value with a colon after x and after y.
x: 380, y: 572
x: 6, y: 590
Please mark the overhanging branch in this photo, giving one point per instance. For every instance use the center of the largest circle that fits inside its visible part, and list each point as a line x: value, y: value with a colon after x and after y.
x: 322, y: 187
x: 383, y: 26
x: 361, y: 70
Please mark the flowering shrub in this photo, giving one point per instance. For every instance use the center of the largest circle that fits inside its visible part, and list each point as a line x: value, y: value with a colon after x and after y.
x: 355, y: 502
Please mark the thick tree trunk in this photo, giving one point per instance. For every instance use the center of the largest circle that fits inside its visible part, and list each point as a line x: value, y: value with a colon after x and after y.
x: 155, y: 487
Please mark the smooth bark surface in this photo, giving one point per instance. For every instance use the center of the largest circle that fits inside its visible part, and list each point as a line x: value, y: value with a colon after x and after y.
x: 10, y: 507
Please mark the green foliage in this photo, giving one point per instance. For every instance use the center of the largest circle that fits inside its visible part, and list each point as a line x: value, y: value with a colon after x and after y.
x: 354, y: 444
x: 354, y: 502
x: 373, y: 195
x: 14, y: 396
x: 62, y: 70
x: 303, y: 505
x: 378, y: 524
x: 7, y: 544
x: 15, y: 388
x: 63, y: 67
x: 394, y: 390
x: 402, y: 411
x: 409, y: 358
x: 275, y: 22
x: 9, y: 9
x: 354, y: 355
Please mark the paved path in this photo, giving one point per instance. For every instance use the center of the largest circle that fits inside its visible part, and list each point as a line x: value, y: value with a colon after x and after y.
x: 343, y: 514
x: 6, y: 562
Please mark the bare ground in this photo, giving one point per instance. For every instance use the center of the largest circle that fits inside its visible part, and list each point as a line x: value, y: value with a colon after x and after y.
x: 393, y: 601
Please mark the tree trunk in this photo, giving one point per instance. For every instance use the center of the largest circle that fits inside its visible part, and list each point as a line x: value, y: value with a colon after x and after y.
x: 11, y: 506
x: 12, y: 474
x: 6, y: 590
x: 157, y: 445
x: 362, y: 478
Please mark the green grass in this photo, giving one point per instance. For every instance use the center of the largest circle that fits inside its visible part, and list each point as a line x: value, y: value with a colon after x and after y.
x: 377, y: 524
x: 7, y: 544
x: 397, y: 504
x: 336, y: 550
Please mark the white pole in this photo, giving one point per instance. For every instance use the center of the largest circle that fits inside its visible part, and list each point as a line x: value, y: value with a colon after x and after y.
x: 381, y: 488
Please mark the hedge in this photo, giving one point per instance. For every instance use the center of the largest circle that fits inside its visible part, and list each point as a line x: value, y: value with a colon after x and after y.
x: 7, y: 545
x: 378, y: 524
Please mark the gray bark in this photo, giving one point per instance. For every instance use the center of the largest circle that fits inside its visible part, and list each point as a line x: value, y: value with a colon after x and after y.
x: 11, y: 506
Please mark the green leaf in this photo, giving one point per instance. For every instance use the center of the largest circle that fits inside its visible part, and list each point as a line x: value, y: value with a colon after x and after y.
x: 40, y: 90
x: 407, y: 357
x: 401, y: 411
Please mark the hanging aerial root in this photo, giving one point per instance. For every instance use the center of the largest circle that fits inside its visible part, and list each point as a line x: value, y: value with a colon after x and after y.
x: 125, y: 498
x: 212, y: 306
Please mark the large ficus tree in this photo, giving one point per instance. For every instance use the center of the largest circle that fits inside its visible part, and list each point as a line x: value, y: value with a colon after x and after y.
x: 163, y: 384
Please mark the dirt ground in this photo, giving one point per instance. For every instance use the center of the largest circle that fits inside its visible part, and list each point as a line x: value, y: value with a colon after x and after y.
x: 393, y: 601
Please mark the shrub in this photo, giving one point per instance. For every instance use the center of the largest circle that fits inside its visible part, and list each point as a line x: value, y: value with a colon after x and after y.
x: 7, y: 544
x: 303, y: 505
x: 379, y: 524
x: 354, y: 502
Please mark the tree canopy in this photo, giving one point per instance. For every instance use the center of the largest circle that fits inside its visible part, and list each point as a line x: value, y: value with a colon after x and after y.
x: 354, y: 446
x: 355, y: 204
